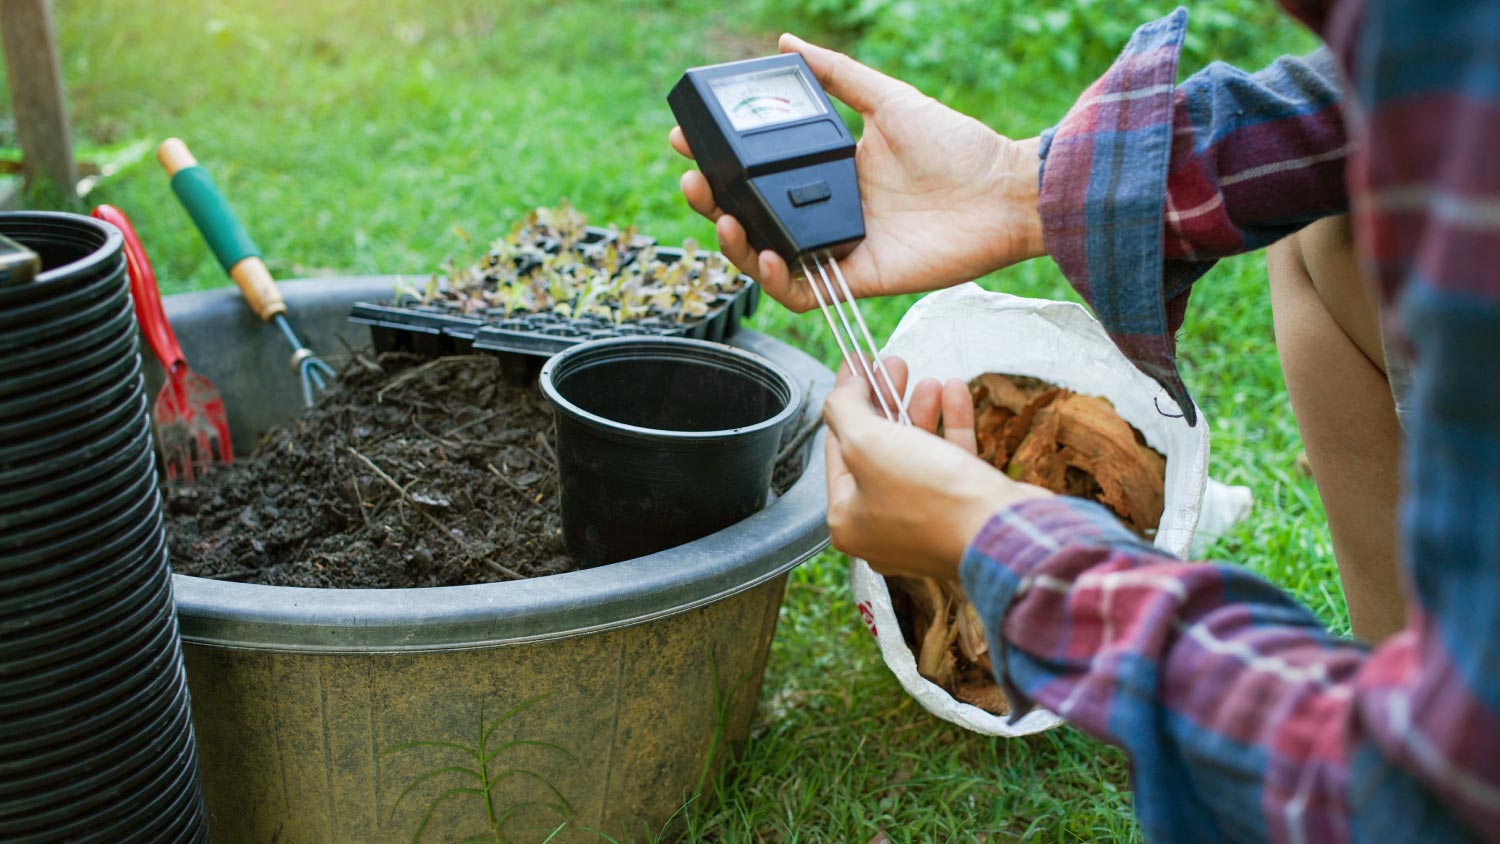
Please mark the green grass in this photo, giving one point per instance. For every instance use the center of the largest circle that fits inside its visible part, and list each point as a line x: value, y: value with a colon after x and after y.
x: 354, y: 136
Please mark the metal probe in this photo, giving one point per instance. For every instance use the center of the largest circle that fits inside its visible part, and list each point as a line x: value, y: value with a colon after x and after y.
x: 858, y: 357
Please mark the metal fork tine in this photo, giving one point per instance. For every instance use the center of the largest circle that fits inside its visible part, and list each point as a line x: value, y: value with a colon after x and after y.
x: 205, y: 448
x: 222, y: 440
x: 180, y: 464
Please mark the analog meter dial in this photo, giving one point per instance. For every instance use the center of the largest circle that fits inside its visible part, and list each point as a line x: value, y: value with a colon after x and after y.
x: 765, y: 98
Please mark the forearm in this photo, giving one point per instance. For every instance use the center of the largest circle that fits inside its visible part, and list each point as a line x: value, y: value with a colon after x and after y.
x: 1022, y: 166
x: 1244, y: 719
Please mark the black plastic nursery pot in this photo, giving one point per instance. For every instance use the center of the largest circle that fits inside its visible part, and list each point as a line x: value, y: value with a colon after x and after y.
x: 96, y: 741
x: 617, y: 686
x: 662, y: 441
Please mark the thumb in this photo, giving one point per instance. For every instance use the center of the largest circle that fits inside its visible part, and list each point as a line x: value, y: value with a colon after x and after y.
x: 848, y: 412
x: 860, y: 87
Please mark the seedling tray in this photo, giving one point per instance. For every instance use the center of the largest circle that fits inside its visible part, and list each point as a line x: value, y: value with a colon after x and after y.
x: 441, y: 328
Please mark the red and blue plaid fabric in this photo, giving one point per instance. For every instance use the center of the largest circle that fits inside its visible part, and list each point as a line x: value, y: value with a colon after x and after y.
x: 1245, y: 720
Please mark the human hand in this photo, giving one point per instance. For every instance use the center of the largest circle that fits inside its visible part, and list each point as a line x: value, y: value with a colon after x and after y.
x: 906, y: 501
x: 946, y: 198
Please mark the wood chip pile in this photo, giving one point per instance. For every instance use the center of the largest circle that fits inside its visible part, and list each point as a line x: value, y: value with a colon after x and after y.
x: 1041, y: 434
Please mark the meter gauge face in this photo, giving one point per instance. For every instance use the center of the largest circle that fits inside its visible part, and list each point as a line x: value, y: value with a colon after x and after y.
x: 766, y: 98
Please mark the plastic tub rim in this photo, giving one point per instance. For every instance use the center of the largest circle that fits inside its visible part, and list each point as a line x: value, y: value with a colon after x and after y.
x: 290, y: 619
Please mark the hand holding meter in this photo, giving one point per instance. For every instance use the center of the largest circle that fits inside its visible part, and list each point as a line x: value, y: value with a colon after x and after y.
x: 946, y: 199
x: 780, y: 160
x: 778, y: 157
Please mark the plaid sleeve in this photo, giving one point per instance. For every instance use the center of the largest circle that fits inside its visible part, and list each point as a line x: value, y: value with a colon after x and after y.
x: 1146, y: 183
x: 1240, y: 713
x: 1245, y: 721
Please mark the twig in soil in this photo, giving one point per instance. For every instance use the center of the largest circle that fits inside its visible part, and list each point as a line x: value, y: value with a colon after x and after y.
x: 434, y: 437
x: 379, y: 472
x: 441, y: 528
x: 416, y: 373
x: 808, y: 429
x: 356, y: 356
x: 508, y: 572
x: 515, y: 487
x: 230, y: 575
x: 359, y: 500
x: 546, y: 446
x: 471, y: 423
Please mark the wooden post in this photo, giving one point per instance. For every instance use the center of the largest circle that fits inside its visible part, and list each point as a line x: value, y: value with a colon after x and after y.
x: 36, y: 92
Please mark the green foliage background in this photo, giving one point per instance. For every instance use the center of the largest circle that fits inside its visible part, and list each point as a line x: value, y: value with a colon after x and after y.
x: 1009, y: 61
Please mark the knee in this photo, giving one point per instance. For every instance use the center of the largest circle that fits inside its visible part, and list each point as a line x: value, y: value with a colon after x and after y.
x: 1321, y: 256
x: 1286, y: 269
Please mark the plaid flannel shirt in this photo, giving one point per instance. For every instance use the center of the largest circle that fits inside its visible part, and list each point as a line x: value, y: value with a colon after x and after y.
x: 1245, y: 720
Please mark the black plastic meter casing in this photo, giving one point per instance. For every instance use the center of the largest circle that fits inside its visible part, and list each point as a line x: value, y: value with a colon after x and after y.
x: 792, y: 185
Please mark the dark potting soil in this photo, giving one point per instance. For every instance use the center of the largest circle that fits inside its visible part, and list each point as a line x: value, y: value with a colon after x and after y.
x: 408, y: 472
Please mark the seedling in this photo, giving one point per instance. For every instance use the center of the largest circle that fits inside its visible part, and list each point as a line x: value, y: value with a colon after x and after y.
x: 553, y: 262
x: 481, y: 774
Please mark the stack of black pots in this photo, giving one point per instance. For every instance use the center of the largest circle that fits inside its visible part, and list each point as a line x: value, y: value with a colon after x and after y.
x: 96, y: 742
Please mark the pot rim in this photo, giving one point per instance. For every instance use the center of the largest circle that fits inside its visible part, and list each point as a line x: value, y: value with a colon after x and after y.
x: 675, y: 348
x: 290, y: 619
x: 110, y: 243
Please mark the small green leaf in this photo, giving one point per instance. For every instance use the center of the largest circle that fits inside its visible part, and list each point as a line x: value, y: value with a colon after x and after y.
x: 506, y: 716
x: 465, y: 749
x: 432, y: 808
x: 455, y: 769
x: 531, y: 742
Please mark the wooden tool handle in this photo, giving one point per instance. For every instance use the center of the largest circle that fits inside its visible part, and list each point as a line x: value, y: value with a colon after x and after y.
x: 173, y: 155
x: 219, y: 226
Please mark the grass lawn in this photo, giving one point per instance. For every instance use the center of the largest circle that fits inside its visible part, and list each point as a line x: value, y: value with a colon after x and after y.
x: 353, y: 137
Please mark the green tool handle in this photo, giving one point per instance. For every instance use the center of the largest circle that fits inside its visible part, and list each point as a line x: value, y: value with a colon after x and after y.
x: 216, y: 221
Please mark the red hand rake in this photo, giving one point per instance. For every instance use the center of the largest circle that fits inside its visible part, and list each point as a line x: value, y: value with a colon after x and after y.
x: 187, y: 420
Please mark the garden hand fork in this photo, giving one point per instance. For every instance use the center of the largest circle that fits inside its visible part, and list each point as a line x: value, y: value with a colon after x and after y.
x: 239, y: 257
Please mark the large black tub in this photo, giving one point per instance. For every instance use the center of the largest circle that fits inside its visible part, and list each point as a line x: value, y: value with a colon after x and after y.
x: 638, y: 674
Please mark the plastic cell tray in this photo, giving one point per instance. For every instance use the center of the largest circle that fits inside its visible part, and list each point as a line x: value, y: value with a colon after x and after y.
x: 440, y: 329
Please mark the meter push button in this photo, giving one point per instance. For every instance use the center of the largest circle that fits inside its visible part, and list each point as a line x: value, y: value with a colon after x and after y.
x: 809, y: 193
x: 775, y: 153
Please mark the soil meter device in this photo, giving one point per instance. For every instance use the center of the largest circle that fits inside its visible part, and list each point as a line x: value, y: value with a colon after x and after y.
x: 778, y: 157
x: 781, y: 161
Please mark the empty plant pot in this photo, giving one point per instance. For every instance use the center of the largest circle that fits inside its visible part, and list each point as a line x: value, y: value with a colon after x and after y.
x: 661, y: 441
